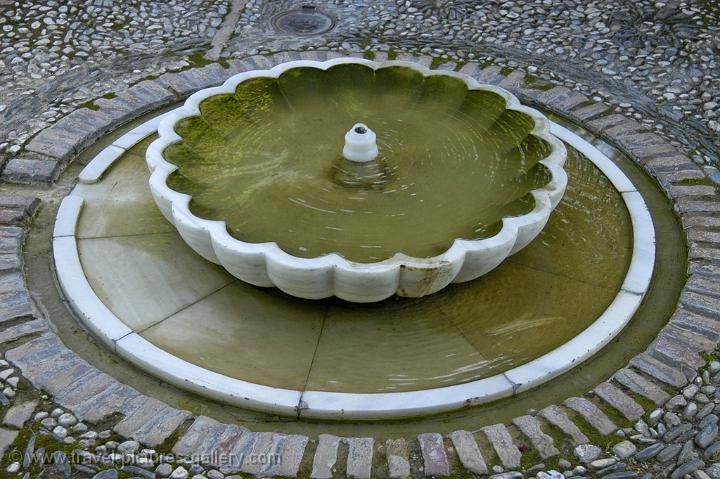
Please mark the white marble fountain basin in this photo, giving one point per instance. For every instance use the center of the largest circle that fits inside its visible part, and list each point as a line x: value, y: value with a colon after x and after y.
x: 267, y: 265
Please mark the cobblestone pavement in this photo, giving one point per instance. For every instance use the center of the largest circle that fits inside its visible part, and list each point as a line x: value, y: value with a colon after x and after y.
x: 657, y: 61
x: 654, y: 62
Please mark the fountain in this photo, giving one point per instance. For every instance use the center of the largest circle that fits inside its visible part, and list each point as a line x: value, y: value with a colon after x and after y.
x: 376, y: 183
x: 441, y: 181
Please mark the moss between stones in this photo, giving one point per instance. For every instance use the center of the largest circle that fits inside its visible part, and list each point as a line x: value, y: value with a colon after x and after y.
x: 505, y: 71
x: 594, y: 437
x: 537, y: 83
x: 90, y: 105
x: 644, y: 402
x: 460, y: 64
x: 614, y: 415
x: 436, y: 62
x: 708, y: 357
x: 562, y: 442
x: 696, y: 182
x: 306, y: 463
x: 583, y: 104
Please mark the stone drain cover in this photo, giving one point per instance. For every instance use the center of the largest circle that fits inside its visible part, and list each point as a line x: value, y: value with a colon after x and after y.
x: 306, y: 20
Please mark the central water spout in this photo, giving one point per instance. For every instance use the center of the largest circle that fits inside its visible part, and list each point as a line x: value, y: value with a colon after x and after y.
x: 360, y: 144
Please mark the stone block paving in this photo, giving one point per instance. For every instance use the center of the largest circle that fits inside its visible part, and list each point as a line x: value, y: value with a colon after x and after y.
x: 674, y: 374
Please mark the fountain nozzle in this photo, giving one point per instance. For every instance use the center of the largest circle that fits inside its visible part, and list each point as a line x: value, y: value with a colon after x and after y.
x: 360, y: 144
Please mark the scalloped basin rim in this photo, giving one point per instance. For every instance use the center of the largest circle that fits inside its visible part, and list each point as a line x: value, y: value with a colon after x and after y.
x: 266, y: 264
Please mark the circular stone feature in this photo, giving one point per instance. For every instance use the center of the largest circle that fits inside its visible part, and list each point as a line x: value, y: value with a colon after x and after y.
x: 470, y: 343
x: 459, y: 175
x: 304, y: 21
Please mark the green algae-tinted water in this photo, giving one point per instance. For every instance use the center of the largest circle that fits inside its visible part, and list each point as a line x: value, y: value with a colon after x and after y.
x: 535, y: 301
x: 267, y: 160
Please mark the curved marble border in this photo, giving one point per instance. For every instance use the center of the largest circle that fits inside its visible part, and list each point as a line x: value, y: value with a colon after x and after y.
x: 316, y: 404
x: 266, y: 264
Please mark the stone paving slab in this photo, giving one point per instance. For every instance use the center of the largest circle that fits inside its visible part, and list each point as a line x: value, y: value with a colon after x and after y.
x: 15, y: 304
x: 19, y: 414
x: 543, y: 443
x: 242, y: 65
x: 704, y: 237
x: 551, y: 95
x: 504, y: 446
x: 11, y: 238
x: 22, y: 207
x: 659, y: 370
x: 684, y: 205
x: 262, y: 62
x: 291, y: 449
x: 673, y: 161
x: 360, y: 457
x: 397, y: 452
x: 693, y: 191
x: 7, y: 437
x: 10, y: 261
x: 194, y: 439
x: 46, y: 363
x: 325, y: 456
x: 634, y: 137
x: 136, y: 101
x: 650, y: 154
x: 31, y: 170
x: 557, y: 417
x: 688, y: 320
x: 152, y: 422
x: 489, y: 75
x: 608, y: 121
x: 12, y: 281
x: 570, y: 101
x: 226, y: 447
x: 624, y: 130
x: 513, y: 80
x: 692, y: 222
x: 12, y: 216
x: 697, y: 252
x: 71, y: 134
x: 21, y: 330
x: 190, y: 81
x: 257, y: 445
x: 588, y: 112
x: 113, y: 399
x: 470, y: 69
x: 426, y: 61
x: 639, y: 385
x: 468, y: 451
x: 435, y: 459
x: 83, y: 386
x: 592, y: 414
x: 146, y: 96
x: 677, y: 348
x: 55, y: 142
x: 619, y: 400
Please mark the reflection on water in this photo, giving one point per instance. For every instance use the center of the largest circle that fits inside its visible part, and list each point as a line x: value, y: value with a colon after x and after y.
x: 267, y: 160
